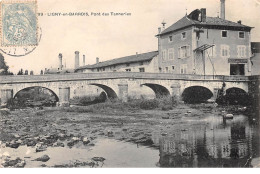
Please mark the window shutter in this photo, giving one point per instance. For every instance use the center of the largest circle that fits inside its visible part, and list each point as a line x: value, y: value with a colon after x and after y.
x: 228, y: 51
x: 188, y: 51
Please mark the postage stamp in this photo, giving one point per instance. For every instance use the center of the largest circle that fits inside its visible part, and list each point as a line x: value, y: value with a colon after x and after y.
x: 19, y: 23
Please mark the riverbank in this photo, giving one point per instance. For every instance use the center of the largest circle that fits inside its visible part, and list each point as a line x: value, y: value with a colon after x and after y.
x: 77, y: 126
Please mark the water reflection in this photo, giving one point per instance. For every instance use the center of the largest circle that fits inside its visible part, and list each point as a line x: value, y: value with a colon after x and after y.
x: 213, y: 143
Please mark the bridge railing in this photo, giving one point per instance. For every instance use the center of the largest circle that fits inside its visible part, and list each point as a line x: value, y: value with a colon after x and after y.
x: 116, y: 75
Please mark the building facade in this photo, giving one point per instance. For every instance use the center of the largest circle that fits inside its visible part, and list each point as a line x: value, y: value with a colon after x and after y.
x: 146, y: 62
x: 197, y: 44
x: 255, y: 59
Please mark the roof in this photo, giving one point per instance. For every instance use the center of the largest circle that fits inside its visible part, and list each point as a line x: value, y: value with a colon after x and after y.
x: 191, y: 20
x: 57, y: 71
x: 255, y: 46
x: 122, y: 60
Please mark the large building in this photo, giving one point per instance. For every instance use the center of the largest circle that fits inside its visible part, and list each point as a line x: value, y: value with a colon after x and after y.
x: 195, y: 44
x: 198, y: 44
x: 146, y: 62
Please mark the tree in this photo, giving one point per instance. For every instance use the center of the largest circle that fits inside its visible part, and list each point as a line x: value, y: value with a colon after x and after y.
x: 26, y: 72
x: 20, y: 72
x: 3, y: 67
x: 31, y: 72
x: 41, y: 72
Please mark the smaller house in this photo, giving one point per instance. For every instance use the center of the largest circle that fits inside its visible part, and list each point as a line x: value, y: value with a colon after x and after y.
x: 145, y: 62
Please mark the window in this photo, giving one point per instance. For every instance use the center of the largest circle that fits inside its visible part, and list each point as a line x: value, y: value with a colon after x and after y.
x: 224, y: 33
x: 241, y: 35
x: 141, y: 70
x: 225, y: 51
x: 164, y: 55
x: 241, y: 51
x: 128, y: 70
x: 170, y: 53
x: 172, y: 68
x: 211, y: 52
x: 127, y: 64
x: 103, y: 69
x: 166, y: 69
x: 170, y: 38
x: 141, y: 63
x: 184, y: 51
x: 183, y: 35
x: 184, y: 69
x: 160, y: 69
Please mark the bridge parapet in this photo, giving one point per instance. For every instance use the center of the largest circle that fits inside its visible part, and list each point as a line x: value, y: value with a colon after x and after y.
x: 116, y: 75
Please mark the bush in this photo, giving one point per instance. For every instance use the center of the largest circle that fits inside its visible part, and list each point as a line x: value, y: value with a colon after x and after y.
x: 15, y: 104
x: 149, y: 104
x: 89, y: 99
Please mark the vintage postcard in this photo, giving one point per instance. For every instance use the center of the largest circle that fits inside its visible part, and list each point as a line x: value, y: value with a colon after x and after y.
x: 129, y: 83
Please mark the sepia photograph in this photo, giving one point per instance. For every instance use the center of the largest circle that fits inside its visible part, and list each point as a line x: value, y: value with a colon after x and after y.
x: 129, y: 84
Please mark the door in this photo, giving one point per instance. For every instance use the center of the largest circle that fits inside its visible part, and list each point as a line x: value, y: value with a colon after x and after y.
x: 237, y: 69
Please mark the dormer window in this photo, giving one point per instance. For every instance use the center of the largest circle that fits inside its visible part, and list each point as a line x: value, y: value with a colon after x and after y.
x: 224, y: 34
x: 183, y: 35
x: 170, y: 38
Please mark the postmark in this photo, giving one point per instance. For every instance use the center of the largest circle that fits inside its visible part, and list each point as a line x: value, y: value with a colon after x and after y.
x: 19, y: 26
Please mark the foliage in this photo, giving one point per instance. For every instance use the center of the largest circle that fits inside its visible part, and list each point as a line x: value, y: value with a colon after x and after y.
x: 88, y: 100
x: 20, y: 72
x: 4, y: 69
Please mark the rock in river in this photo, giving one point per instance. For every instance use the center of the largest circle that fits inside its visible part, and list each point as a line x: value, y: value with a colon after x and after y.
x: 43, y: 158
x: 101, y: 159
x: 41, y: 148
x: 18, y: 162
x: 85, y: 140
x: 13, y: 144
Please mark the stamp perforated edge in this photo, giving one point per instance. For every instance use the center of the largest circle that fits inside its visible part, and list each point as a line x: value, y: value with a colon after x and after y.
x: 1, y: 25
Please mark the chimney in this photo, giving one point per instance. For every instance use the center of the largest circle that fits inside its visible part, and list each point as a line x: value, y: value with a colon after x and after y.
x: 163, y: 25
x: 60, y: 59
x: 97, y: 60
x: 83, y: 60
x: 76, y: 59
x: 159, y: 30
x: 240, y: 22
x: 222, y: 9
x: 203, y: 14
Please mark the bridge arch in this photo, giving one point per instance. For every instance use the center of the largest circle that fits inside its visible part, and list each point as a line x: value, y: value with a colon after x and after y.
x: 31, y: 87
x: 196, y: 94
x: 235, y: 95
x: 159, y: 90
x: 111, y: 94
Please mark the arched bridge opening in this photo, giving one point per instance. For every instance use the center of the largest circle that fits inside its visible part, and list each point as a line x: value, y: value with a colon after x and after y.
x: 111, y: 94
x: 196, y: 94
x: 236, y: 96
x: 159, y: 90
x: 36, y: 96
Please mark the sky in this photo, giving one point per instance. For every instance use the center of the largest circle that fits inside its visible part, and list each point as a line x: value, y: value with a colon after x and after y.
x: 109, y: 37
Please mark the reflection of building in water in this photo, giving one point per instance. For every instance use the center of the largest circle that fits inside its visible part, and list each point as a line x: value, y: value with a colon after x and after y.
x: 209, y: 145
x: 177, y: 150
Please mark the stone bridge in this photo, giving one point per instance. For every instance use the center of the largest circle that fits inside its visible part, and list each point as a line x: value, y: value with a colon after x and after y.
x: 119, y: 84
